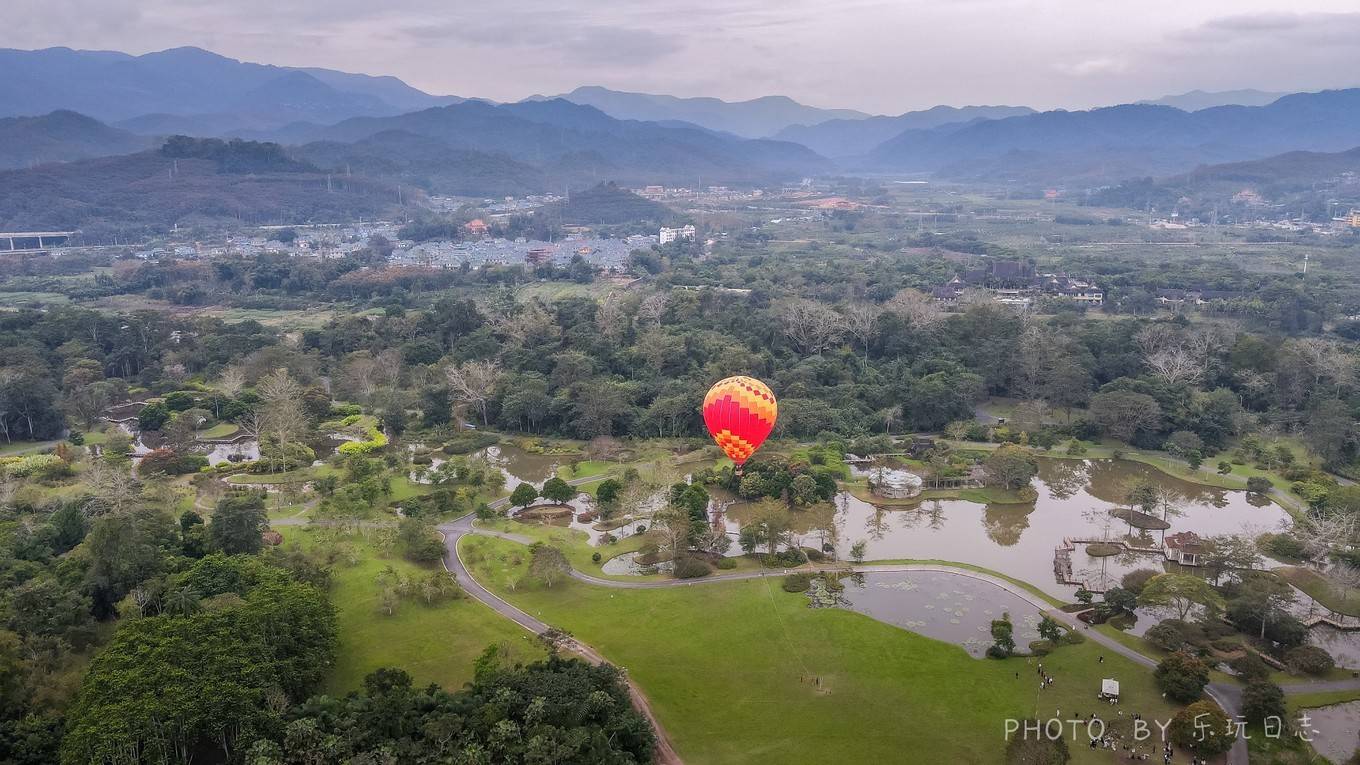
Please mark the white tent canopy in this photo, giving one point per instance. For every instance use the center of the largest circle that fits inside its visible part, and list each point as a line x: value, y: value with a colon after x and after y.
x: 1109, y: 688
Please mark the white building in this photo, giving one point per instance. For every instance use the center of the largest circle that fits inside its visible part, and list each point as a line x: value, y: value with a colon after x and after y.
x: 668, y: 235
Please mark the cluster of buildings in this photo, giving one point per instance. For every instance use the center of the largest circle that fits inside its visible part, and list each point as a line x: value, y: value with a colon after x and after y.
x: 607, y: 254
x: 1014, y: 282
x: 318, y: 241
x: 1176, y: 298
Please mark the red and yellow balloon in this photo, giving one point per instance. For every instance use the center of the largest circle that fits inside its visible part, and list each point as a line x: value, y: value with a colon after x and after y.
x: 740, y: 413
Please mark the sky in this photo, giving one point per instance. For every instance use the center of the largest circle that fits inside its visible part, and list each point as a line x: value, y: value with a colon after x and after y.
x: 884, y: 56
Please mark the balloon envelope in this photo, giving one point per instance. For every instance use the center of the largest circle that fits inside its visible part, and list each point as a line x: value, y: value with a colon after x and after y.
x: 740, y: 413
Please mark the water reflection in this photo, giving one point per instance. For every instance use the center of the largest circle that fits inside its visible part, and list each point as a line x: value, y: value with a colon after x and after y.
x: 951, y: 607
x: 1073, y: 499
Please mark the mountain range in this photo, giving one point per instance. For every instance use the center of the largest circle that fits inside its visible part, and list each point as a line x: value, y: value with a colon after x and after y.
x: 1195, y: 100
x: 839, y: 138
x: 757, y: 118
x: 192, y: 82
x: 62, y: 136
x: 1157, y: 139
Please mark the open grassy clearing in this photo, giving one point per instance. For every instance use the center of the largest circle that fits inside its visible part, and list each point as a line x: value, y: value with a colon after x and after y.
x: 434, y: 643
x: 743, y: 671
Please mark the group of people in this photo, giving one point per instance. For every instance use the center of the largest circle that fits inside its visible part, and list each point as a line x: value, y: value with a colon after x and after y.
x: 1045, y: 679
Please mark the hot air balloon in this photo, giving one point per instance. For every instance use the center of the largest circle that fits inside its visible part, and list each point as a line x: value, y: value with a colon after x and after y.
x: 740, y: 413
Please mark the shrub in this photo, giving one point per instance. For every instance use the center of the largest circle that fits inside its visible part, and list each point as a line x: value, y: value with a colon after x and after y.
x: 341, y: 411
x: 1072, y: 637
x: 797, y: 582
x: 596, y: 557
x: 1250, y: 667
x: 376, y: 440
x: 726, y: 564
x: 1309, y: 659
x: 1283, y: 546
x: 1134, y: 581
x: 691, y: 568
x: 164, y: 461
x: 1041, y: 647
x: 1258, y: 485
x: 42, y: 466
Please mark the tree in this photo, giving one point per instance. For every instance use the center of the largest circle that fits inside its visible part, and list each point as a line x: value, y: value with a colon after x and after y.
x: 474, y: 382
x: 608, y: 491
x: 861, y: 322
x: 1120, y: 600
x: 547, y: 564
x: 523, y: 495
x: 857, y: 551
x: 1010, y: 467
x: 1182, y: 676
x: 153, y: 416
x: 1049, y: 629
x: 1026, y: 748
x: 811, y: 326
x: 1181, y: 592
x: 1003, y: 640
x: 1263, y: 699
x: 281, y: 417
x: 1203, y: 728
x: 1228, y: 552
x: 557, y: 490
x: 1124, y: 414
x: 238, y: 524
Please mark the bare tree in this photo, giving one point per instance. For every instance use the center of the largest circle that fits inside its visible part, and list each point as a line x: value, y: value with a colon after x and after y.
x: 1327, y: 531
x: 919, y: 311
x: 861, y: 322
x: 282, y: 417
x: 811, y: 326
x: 1176, y: 365
x: 474, y: 382
x: 113, y: 489
x: 611, y: 318
x: 1326, y: 361
x: 653, y: 307
x: 524, y: 323
x: 231, y: 381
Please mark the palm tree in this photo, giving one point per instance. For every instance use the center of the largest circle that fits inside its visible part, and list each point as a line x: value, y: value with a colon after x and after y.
x: 183, y: 601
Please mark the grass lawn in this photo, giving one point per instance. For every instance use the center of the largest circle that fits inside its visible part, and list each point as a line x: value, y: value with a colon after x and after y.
x: 1341, y: 599
x: 573, y: 543
x: 585, y: 469
x: 744, y: 672
x: 435, y: 644
x: 220, y: 430
x: 301, y: 475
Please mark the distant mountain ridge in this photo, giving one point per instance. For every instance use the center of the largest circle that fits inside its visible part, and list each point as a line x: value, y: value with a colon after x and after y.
x: 757, y: 118
x: 1160, y: 137
x: 573, y: 144
x: 848, y: 138
x: 1196, y: 100
x: 190, y: 81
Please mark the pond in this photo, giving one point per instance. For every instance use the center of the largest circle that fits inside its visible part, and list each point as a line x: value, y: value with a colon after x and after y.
x: 1019, y: 539
x: 954, y: 608
x: 1336, y: 730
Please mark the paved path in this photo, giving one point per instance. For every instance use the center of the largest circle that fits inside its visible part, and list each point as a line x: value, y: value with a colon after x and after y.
x: 665, y: 752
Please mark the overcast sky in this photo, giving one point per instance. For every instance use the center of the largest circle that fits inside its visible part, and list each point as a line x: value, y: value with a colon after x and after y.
x: 884, y: 57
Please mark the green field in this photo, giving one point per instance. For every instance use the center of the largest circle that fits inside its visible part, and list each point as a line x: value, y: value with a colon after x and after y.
x: 435, y: 644
x: 745, y: 672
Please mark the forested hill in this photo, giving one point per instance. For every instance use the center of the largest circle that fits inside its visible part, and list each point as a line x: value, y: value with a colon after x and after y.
x: 61, y: 136
x: 151, y: 191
